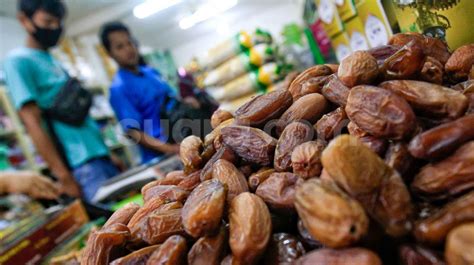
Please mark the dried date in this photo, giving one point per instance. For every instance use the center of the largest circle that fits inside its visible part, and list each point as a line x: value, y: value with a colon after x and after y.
x: 293, y: 135
x: 406, y: 63
x: 331, y: 124
x: 258, y: 177
x: 461, y: 61
x: 433, y: 47
x: 139, y: 257
x: 220, y: 116
x: 352, y: 256
x: 335, y: 91
x: 227, y: 174
x: 381, y: 53
x: 432, y: 71
x: 223, y: 153
x: 278, y: 191
x: 168, y: 193
x: 171, y: 252
x: 359, y: 68
x: 306, y: 159
x: 208, y: 250
x: 459, y: 245
x: 190, y: 153
x: 398, y: 157
x: 309, y: 80
x: 417, y: 255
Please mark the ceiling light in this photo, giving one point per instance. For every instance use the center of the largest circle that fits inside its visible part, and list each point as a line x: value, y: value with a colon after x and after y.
x: 210, y: 9
x: 150, y: 7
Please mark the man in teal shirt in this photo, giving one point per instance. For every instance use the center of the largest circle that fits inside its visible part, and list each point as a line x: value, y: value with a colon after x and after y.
x: 34, y: 79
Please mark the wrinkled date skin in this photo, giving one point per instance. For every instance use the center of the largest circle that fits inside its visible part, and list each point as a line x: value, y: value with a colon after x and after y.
x: 381, y: 53
x: 294, y: 134
x: 331, y: 216
x: 380, y: 112
x: 306, y: 159
x: 331, y: 124
x: 220, y: 116
x: 251, y: 144
x: 459, y: 245
x: 263, y: 108
x: 139, y: 257
x: 335, y: 91
x: 208, y: 250
x: 398, y: 157
x: 433, y: 47
x: 308, y: 108
x: 213, y: 136
x: 352, y: 256
x: 147, y: 208
x: 224, y: 153
x: 172, y: 178
x: 461, y: 61
x: 417, y: 255
x: 375, y: 144
x: 190, y: 153
x: 278, y: 191
x: 468, y: 91
x: 190, y: 182
x: 359, y: 68
x: 250, y: 228
x: 447, y: 177
x: 258, y: 177
x: 156, y: 227
x: 442, y: 140
x: 169, y: 193
x: 309, y: 81
x: 434, y: 229
x: 429, y: 100
x: 406, y: 63
x: 202, y: 212
x: 172, y: 252
x: 365, y: 176
x: 114, y: 233
x: 227, y: 174
x: 283, y: 249
x: 432, y: 71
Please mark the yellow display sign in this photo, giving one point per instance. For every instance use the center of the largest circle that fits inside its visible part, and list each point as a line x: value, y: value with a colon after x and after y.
x: 375, y: 22
x: 356, y: 32
x: 341, y: 46
x: 346, y: 9
x: 329, y: 15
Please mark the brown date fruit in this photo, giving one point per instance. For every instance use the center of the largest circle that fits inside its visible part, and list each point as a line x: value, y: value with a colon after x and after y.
x: 359, y: 68
x: 204, y: 208
x: 309, y: 242
x: 229, y: 260
x: 167, y: 193
x: 330, y: 215
x: 139, y: 257
x: 216, y: 133
x: 331, y: 124
x: 398, y: 157
x: 147, y: 208
x: 227, y: 174
x: 190, y: 182
x: 223, y: 153
x: 362, y: 174
x: 219, y: 116
x: 289, y: 79
x: 434, y: 229
x: 448, y: 177
x: 309, y: 80
x: 171, y: 252
x: 247, y: 170
x: 172, y: 178
x: 308, y: 108
x: 442, y: 140
x: 258, y: 177
x: 250, y: 228
x: 432, y: 71
x: 190, y: 153
x: 261, y: 109
x: 430, y: 100
x: 406, y: 63
x: 283, y: 249
x: 417, y: 255
x: 348, y: 256
x: 102, y: 243
x: 433, y: 47
x: 278, y: 191
x: 334, y: 67
x: 355, y: 130
x: 380, y: 112
x: 381, y: 53
x: 251, y: 144
x: 293, y: 135
x: 468, y: 91
x: 306, y: 159
x: 459, y: 245
x: 123, y: 215
x: 335, y: 91
x: 209, y: 150
x: 157, y: 226
x: 375, y: 144
x: 461, y: 61
x: 209, y: 249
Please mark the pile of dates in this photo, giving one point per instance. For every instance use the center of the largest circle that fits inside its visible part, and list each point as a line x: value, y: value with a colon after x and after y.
x: 364, y: 163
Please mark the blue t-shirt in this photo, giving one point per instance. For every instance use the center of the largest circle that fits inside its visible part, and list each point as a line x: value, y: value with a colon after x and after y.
x: 137, y: 100
x: 35, y: 76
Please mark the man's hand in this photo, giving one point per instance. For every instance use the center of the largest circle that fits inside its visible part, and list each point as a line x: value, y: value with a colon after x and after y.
x: 30, y: 183
x: 68, y: 186
x: 171, y: 149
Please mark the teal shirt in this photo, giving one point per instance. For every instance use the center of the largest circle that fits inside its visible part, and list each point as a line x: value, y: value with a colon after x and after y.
x: 34, y: 75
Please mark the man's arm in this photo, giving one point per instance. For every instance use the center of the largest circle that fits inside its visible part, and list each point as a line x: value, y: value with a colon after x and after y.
x: 30, y: 114
x: 150, y: 142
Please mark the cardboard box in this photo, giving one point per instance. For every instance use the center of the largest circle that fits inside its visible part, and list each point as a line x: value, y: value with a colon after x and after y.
x: 356, y: 32
x: 34, y: 246
x: 328, y: 14
x: 376, y: 24
x: 341, y: 46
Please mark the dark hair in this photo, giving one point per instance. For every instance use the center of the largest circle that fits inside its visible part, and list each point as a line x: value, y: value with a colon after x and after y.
x: 109, y: 28
x: 53, y: 7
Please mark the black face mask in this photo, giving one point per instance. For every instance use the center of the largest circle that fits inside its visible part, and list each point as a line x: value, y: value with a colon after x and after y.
x: 47, y: 37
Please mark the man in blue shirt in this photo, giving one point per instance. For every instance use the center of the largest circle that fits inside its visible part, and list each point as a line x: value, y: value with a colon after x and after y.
x: 137, y: 94
x: 34, y: 79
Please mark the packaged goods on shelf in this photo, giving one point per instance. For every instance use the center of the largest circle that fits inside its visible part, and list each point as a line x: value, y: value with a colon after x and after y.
x: 231, y: 47
x: 240, y: 64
